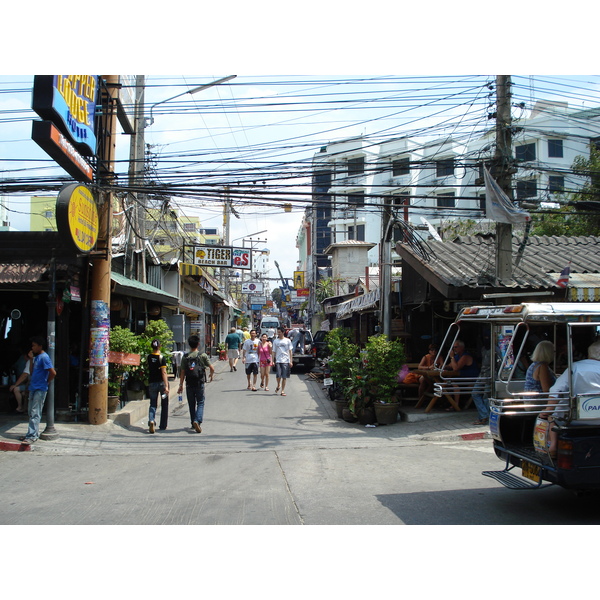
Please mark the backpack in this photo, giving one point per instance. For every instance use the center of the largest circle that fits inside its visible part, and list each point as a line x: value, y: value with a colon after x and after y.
x: 195, y: 371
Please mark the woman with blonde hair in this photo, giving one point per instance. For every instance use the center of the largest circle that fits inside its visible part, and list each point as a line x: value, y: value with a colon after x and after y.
x: 539, y: 376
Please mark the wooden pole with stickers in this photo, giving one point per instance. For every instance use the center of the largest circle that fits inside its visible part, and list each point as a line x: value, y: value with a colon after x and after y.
x: 101, y: 260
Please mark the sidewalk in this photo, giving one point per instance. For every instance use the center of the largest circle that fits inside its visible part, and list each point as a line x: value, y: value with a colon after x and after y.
x: 124, y: 427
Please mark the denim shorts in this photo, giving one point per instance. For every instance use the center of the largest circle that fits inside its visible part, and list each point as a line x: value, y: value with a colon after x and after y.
x: 282, y: 370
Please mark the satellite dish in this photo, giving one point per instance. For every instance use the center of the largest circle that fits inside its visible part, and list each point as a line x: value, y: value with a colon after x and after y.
x: 15, y: 314
x: 434, y: 234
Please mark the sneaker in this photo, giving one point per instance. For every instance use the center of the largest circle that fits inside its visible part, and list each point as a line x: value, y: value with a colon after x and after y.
x: 27, y: 441
x: 197, y: 427
x: 151, y: 426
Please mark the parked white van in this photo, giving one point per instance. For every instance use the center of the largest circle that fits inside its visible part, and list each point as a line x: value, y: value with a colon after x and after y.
x: 269, y: 326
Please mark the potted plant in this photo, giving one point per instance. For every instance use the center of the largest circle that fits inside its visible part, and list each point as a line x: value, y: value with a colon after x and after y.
x: 343, y: 359
x: 222, y: 351
x: 357, y: 390
x: 383, y: 358
x: 120, y: 340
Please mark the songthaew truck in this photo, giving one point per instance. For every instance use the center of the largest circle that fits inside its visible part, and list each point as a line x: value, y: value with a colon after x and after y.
x: 521, y: 422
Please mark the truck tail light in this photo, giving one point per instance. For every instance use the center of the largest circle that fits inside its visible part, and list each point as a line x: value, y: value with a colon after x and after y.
x: 565, y: 454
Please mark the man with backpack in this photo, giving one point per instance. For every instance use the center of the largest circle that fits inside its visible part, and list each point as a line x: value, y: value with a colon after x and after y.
x: 193, y: 371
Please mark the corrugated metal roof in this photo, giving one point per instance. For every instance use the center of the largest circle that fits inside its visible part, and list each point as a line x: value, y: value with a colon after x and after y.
x: 470, y: 261
x: 24, y: 272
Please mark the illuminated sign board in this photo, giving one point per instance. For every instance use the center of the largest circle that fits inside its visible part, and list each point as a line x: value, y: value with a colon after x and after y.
x: 50, y: 139
x: 69, y: 101
x: 77, y: 216
x: 223, y: 256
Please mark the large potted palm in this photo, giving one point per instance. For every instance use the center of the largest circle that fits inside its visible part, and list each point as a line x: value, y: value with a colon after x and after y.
x: 383, y: 358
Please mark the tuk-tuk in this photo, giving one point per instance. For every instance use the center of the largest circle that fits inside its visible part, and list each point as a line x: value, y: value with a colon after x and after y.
x: 511, y: 333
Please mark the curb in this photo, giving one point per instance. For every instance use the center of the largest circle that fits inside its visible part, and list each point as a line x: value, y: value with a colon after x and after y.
x: 14, y: 447
x: 456, y: 437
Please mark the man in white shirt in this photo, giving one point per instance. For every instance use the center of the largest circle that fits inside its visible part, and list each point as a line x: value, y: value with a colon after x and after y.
x: 586, y: 380
x: 250, y: 358
x: 283, y: 359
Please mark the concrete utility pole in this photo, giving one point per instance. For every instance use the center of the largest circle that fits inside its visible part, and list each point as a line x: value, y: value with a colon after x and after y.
x: 503, y: 173
x: 385, y: 268
x: 101, y: 263
x: 137, y: 164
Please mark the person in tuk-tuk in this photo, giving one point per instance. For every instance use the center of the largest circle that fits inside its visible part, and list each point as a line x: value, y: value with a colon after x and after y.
x: 539, y: 376
x: 586, y: 380
x: 463, y: 362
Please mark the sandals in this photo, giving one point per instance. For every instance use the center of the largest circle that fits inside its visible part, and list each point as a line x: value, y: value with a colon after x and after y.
x: 266, y: 389
x: 283, y: 394
x: 276, y: 389
x: 481, y: 422
x: 253, y: 389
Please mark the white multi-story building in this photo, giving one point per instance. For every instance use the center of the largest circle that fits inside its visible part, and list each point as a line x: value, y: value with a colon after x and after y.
x: 439, y: 181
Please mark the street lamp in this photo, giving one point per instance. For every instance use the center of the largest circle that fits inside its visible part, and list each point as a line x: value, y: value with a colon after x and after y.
x: 150, y: 119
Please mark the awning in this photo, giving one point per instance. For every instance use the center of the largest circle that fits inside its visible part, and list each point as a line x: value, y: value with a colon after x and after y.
x: 191, y: 270
x: 360, y: 303
x: 25, y: 272
x: 137, y: 289
x: 583, y: 287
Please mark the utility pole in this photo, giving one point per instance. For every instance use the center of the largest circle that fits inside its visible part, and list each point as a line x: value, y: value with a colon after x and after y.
x: 385, y: 267
x: 137, y: 163
x: 101, y: 262
x: 503, y: 173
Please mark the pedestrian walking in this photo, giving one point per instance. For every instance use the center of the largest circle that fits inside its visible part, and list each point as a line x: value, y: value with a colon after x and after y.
x: 265, y: 358
x: 42, y: 374
x: 283, y: 358
x: 250, y: 359
x: 193, y: 372
x: 158, y: 384
x: 234, y: 344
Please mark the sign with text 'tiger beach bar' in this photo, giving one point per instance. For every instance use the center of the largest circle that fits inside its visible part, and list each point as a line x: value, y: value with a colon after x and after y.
x: 223, y: 256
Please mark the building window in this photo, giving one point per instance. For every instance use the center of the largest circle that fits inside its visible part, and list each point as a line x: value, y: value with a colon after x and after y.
x: 356, y: 166
x: 556, y: 184
x: 445, y: 167
x: 526, y: 189
x: 525, y: 152
x: 482, y: 202
x: 400, y: 167
x: 555, y: 148
x: 356, y: 199
x: 189, y: 226
x: 356, y: 233
x: 446, y: 200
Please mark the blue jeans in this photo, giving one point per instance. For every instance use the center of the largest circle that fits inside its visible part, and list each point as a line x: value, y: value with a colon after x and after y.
x: 36, y: 404
x: 195, y: 398
x: 156, y: 390
x: 480, y: 398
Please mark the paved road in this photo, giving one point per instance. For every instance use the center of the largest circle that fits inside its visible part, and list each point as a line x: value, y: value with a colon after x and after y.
x: 267, y: 459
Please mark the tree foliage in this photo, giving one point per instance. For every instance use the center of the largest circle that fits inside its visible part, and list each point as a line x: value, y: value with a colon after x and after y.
x: 573, y: 217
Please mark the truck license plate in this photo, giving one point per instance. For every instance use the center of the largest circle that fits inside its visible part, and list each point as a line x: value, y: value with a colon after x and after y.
x: 531, y: 471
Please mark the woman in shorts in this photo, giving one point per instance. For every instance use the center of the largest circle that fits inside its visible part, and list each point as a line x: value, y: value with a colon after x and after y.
x: 264, y: 358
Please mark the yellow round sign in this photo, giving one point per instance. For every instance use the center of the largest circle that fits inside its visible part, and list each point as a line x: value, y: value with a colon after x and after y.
x: 76, y: 212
